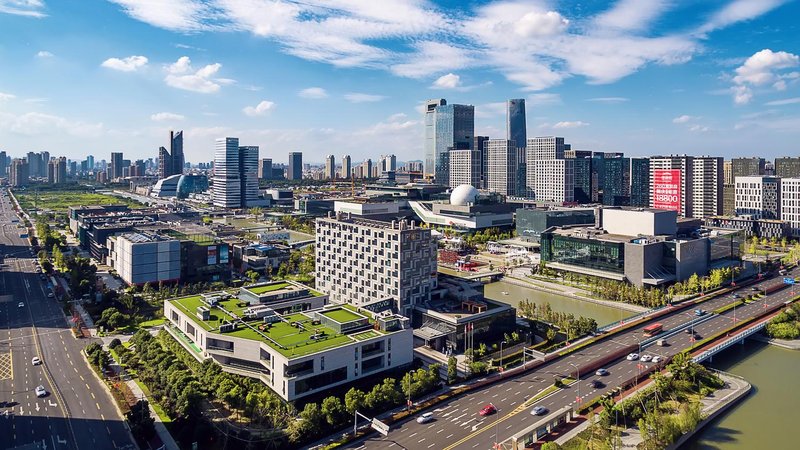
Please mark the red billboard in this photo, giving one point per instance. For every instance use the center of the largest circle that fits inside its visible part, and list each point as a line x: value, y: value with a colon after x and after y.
x: 667, y: 189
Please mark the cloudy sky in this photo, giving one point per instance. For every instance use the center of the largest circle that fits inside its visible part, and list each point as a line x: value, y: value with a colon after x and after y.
x: 348, y: 76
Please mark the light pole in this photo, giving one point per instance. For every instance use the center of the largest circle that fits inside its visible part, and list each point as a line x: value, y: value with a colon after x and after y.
x: 501, y: 354
x: 578, y: 379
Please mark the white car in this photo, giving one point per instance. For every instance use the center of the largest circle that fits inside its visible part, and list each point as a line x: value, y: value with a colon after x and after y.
x: 425, y: 418
x: 41, y: 391
x: 646, y: 358
x: 36, y: 361
x: 50, y: 295
x: 632, y: 356
x: 539, y: 411
x: 20, y: 305
x: 656, y: 359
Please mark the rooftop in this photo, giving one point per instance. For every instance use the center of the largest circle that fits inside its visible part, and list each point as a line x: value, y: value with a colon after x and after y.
x: 280, y: 286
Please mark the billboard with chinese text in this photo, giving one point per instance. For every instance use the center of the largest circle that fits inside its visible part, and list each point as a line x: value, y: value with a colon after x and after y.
x: 667, y: 189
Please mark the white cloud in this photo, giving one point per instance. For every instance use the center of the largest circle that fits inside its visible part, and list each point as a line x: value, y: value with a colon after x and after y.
x: 313, y: 93
x: 260, y: 109
x: 537, y: 23
x: 358, y: 97
x: 698, y: 128
x: 569, y: 124
x: 683, y: 119
x: 29, y: 8
x: 37, y: 124
x: 166, y: 116
x: 44, y: 54
x: 430, y: 58
x: 128, y: 64
x: 632, y: 14
x: 182, y: 75
x: 395, y: 124
x: 543, y: 98
x: 788, y: 101
x: 763, y: 68
x: 449, y: 81
x: 609, y: 100
x: 4, y: 96
x: 737, y: 11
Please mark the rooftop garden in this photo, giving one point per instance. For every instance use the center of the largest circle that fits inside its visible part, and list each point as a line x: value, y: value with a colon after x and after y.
x: 258, y: 290
x: 342, y: 315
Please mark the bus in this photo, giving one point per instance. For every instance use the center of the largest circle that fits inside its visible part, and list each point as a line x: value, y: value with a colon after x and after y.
x: 654, y: 329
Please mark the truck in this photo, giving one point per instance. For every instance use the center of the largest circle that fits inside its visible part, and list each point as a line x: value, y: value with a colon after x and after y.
x: 654, y: 329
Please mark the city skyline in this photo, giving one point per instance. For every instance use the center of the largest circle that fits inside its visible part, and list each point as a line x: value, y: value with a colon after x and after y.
x: 716, y: 78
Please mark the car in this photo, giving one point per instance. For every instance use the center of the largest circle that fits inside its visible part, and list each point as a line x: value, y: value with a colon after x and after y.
x: 632, y: 356
x: 688, y: 331
x: 736, y: 296
x: 41, y: 391
x: 657, y: 359
x: 488, y: 410
x: 601, y: 372
x: 50, y: 295
x: 699, y: 312
x: 595, y: 384
x: 20, y: 305
x: 539, y: 411
x: 755, y: 288
x: 425, y: 418
x: 36, y: 361
x: 646, y: 358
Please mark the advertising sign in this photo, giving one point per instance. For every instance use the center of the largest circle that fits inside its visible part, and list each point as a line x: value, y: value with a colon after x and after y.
x: 223, y: 254
x: 212, y: 255
x: 667, y: 189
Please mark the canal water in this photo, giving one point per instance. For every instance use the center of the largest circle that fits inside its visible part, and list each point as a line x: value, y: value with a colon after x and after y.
x: 767, y: 417
x: 601, y: 313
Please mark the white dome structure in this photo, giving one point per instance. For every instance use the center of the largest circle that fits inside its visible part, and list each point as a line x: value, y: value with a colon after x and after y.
x: 463, y: 195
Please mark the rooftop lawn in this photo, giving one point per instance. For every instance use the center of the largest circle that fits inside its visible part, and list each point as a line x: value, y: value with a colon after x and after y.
x: 342, y: 315
x: 61, y: 200
x: 369, y: 334
x: 268, y: 288
x: 217, y: 317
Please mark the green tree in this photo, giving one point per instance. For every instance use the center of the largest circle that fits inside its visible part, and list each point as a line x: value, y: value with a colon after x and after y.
x: 354, y: 399
x: 452, y: 370
x: 142, y: 424
x: 253, y: 276
x: 333, y: 410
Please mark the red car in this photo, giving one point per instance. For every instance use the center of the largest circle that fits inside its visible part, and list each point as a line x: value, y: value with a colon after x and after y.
x: 488, y: 410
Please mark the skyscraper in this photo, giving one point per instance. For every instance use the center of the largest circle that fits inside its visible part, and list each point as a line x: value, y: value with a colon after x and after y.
x: 60, y: 170
x: 388, y: 163
x: 171, y: 162
x: 478, y: 145
x: 116, y: 165
x: 616, y: 181
x: 787, y: 167
x: 330, y: 167
x: 3, y: 163
x: 454, y: 128
x: 18, y: 172
x: 265, y: 169
x: 582, y: 161
x: 515, y: 122
x: 34, y: 163
x: 248, y: 174
x: 745, y: 167
x: 550, y: 177
x: 640, y: 182
x: 90, y: 162
x: 429, y: 146
x: 227, y: 188
x: 690, y: 185
x: 347, y: 167
x: 295, y: 171
x: 502, y: 163
x: 465, y: 168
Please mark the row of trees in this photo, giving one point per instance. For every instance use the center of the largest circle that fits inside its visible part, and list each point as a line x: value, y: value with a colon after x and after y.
x: 300, y: 266
x: 573, y: 327
x: 785, y: 325
x: 48, y: 237
x: 696, y: 284
x: 299, y: 223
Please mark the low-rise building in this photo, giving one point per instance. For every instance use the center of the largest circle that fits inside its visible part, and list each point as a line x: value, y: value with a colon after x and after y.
x: 751, y: 226
x: 468, y: 209
x: 141, y: 258
x: 531, y: 222
x: 259, y: 257
x: 295, y: 354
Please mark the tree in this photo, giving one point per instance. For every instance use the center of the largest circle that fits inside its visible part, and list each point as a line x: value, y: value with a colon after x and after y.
x: 141, y: 422
x: 333, y: 410
x: 253, y: 276
x: 354, y: 400
x: 452, y: 370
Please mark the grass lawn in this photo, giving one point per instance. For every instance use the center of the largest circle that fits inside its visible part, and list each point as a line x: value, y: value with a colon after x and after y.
x: 268, y: 288
x: 342, y: 315
x: 156, y: 407
x: 151, y: 323
x: 62, y: 200
x: 366, y: 335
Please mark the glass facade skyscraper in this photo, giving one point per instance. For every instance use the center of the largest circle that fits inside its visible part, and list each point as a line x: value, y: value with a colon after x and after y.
x: 430, y: 134
x: 515, y: 122
x: 640, y: 182
x: 453, y: 128
x: 295, y: 171
x: 616, y: 182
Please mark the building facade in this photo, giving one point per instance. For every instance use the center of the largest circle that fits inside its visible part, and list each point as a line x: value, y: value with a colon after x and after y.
x: 465, y: 168
x: 116, y: 165
x: 640, y: 182
x: 347, y: 167
x: 746, y: 167
x: 787, y: 167
x: 265, y: 169
x: 227, y: 185
x: 361, y: 261
x: 502, y: 166
x: 516, y: 125
x: 758, y: 197
x: 790, y: 204
x: 141, y: 258
x: 454, y: 128
x: 330, y: 167
x: 295, y: 170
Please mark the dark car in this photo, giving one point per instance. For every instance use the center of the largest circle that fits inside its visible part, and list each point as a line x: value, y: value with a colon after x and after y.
x: 595, y: 384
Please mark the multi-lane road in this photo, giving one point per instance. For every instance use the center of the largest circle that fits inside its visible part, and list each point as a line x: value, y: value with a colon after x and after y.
x: 458, y: 425
x: 77, y: 413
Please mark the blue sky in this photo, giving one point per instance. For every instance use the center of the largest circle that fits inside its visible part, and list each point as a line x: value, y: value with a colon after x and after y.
x: 717, y: 77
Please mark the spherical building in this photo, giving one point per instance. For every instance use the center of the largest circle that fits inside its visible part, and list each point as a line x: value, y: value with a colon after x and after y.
x: 463, y: 195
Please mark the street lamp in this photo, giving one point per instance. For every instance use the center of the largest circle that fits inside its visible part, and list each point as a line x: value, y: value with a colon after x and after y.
x: 501, y: 354
x: 578, y: 378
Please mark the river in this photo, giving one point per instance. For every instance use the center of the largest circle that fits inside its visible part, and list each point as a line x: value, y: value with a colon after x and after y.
x: 767, y: 417
x: 601, y: 313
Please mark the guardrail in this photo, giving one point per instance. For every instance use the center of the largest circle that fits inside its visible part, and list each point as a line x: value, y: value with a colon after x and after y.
x: 677, y: 330
x: 735, y: 339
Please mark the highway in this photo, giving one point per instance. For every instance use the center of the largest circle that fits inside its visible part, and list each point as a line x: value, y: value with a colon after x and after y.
x: 78, y: 412
x: 458, y: 425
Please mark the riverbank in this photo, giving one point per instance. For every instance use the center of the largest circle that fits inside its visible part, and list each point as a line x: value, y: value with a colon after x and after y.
x: 782, y: 343
x: 553, y: 288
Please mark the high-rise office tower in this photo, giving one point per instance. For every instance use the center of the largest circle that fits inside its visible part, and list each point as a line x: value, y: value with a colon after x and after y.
x: 44, y: 158
x: 550, y: 177
x: 60, y: 171
x: 453, y: 128
x: 758, y: 196
x: 640, y: 182
x: 3, y: 163
x: 465, y: 168
x: 330, y: 167
x: 34, y: 163
x: 265, y: 169
x: 516, y: 129
x: 727, y: 172
x: 790, y: 202
x: 52, y: 165
x: 787, y: 167
x: 707, y: 193
x: 248, y: 174
x: 171, y: 162
x: 18, y: 172
x: 227, y: 187
x: 616, y: 181
x: 295, y: 171
x: 347, y: 167
x: 73, y: 168
x: 116, y: 165
x: 502, y: 164
x: 388, y: 163
x: 90, y: 162
x: 690, y: 185
x: 582, y: 162
x: 478, y: 144
x: 746, y: 167
x: 429, y: 145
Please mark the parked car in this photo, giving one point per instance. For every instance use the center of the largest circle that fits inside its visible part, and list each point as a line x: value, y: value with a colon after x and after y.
x: 601, y: 372
x: 41, y: 391
x: 425, y: 418
x: 36, y: 361
x: 488, y: 410
x: 632, y: 356
x: 657, y: 359
x: 646, y: 358
x: 539, y: 411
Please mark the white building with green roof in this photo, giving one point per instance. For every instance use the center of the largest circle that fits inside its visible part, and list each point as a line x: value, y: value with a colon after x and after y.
x: 296, y: 353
